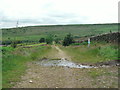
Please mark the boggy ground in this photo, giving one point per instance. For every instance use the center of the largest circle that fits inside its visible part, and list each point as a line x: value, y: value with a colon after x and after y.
x: 37, y: 76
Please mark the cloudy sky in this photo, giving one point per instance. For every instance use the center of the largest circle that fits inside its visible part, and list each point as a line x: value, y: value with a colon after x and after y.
x: 50, y: 12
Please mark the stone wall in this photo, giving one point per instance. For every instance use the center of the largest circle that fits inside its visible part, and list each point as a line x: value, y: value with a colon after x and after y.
x: 109, y: 37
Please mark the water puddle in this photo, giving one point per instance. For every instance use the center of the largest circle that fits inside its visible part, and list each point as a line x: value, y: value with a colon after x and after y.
x: 62, y: 62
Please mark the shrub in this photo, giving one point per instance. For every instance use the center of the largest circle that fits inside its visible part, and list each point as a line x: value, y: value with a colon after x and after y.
x: 42, y: 40
x: 49, y: 39
x: 68, y: 40
x: 57, y: 40
x: 14, y: 44
x: 6, y: 42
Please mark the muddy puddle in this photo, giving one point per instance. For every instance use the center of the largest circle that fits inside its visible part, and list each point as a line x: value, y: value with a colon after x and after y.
x: 63, y: 63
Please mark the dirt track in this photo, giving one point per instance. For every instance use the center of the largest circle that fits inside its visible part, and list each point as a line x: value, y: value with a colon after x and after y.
x: 37, y: 76
x: 61, y: 54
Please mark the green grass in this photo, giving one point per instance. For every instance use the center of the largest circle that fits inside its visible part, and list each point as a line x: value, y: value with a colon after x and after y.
x: 14, y: 62
x: 6, y: 49
x: 83, y: 43
x: 109, y: 52
x: 0, y: 69
x: 96, y: 53
x: 13, y: 68
x: 34, y: 33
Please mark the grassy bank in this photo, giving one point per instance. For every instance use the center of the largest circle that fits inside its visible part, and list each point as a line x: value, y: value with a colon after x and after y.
x: 97, y: 52
x: 14, y: 62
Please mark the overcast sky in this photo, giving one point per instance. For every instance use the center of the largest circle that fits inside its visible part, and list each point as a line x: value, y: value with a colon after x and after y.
x: 47, y: 12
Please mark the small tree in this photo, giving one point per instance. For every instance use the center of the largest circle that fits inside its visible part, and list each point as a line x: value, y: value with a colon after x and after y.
x: 49, y: 39
x: 68, y: 40
x: 110, y: 31
x: 42, y: 40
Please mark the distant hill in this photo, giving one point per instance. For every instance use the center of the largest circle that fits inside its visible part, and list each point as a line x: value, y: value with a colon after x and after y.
x: 34, y: 33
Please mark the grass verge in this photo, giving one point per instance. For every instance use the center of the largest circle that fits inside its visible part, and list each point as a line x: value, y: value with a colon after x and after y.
x: 95, y: 53
x: 14, y: 62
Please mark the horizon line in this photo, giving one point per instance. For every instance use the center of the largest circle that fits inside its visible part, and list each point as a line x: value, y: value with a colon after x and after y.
x: 54, y: 25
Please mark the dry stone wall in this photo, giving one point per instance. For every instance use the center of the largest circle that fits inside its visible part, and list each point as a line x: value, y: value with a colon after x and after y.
x: 108, y: 37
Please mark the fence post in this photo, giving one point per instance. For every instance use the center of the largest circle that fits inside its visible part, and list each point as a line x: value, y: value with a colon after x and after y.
x: 88, y: 42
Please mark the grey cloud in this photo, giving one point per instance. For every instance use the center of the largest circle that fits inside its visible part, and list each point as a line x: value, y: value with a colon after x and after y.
x: 49, y: 18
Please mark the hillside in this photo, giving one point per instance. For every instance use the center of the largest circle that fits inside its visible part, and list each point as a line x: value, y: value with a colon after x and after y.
x: 29, y: 64
x: 34, y: 33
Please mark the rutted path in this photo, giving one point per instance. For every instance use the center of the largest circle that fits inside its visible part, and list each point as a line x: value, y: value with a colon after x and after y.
x: 38, y: 76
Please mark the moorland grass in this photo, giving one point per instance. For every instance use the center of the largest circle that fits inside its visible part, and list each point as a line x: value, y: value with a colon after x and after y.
x: 34, y: 33
x: 95, y: 53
